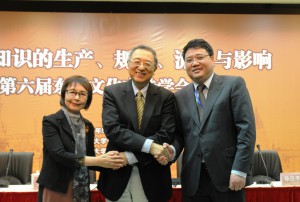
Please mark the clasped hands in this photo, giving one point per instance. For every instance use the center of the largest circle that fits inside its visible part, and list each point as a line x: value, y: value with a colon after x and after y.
x: 111, y: 159
x: 162, y: 153
x: 115, y: 160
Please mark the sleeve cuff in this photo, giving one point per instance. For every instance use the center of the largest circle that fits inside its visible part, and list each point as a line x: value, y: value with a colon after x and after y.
x: 239, y: 173
x: 147, y: 146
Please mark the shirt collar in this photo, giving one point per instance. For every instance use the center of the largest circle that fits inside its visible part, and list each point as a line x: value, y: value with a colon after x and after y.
x: 143, y: 90
x: 206, y: 83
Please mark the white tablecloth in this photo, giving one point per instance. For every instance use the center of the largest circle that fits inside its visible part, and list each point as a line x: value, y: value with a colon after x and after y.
x: 29, y: 188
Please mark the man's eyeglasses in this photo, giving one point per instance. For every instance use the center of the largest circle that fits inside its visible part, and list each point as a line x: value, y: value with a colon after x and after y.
x: 198, y: 58
x: 137, y: 63
x: 73, y: 93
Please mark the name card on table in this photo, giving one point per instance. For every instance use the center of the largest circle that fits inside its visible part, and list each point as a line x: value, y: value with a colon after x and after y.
x: 288, y: 179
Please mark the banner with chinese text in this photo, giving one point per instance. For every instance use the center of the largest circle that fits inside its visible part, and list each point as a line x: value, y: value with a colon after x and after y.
x: 39, y: 50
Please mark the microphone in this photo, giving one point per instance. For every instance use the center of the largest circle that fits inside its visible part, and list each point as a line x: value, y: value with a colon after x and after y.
x: 263, y: 160
x: 268, y: 179
x: 5, y: 183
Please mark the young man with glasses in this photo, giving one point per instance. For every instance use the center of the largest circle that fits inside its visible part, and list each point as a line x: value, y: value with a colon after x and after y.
x: 216, y: 129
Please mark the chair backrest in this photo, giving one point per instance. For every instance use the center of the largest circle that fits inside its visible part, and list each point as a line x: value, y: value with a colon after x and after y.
x: 273, y: 165
x: 20, y: 168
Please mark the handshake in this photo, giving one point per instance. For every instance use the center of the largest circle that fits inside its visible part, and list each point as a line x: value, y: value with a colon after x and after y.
x: 162, y: 153
x: 115, y: 160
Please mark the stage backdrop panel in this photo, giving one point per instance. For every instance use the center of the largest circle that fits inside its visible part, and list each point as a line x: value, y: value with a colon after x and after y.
x: 39, y: 50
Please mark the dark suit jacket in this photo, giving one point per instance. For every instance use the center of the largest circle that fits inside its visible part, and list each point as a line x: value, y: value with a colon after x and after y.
x: 59, y: 158
x: 120, y: 125
x: 225, y: 138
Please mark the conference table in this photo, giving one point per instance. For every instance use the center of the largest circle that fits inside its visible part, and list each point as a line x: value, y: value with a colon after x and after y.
x: 273, y: 192
x: 255, y: 193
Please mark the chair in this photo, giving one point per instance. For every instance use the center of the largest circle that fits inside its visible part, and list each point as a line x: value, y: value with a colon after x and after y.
x: 273, y: 166
x: 20, y: 168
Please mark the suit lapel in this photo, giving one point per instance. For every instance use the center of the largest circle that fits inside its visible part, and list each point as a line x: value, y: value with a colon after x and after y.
x: 213, y: 93
x: 87, y: 131
x: 150, y: 103
x: 129, y: 104
x: 191, y: 103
